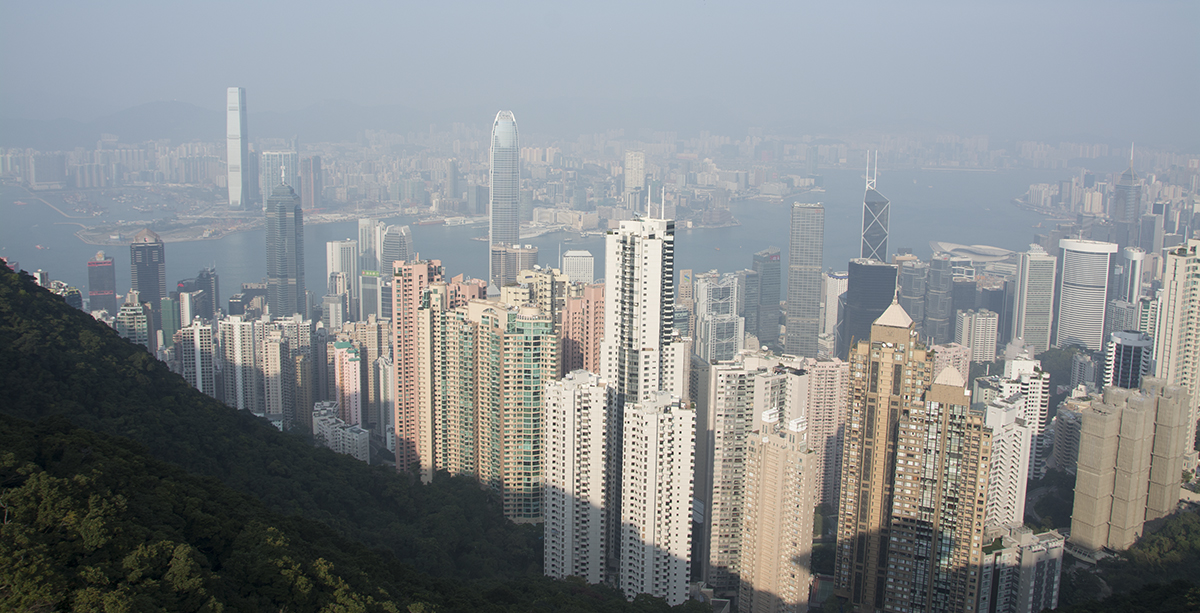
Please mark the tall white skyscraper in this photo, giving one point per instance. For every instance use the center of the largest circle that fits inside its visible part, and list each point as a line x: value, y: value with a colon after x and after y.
x: 832, y: 287
x: 1133, y: 264
x: 341, y: 257
x: 1081, y: 293
x: 1033, y: 303
x: 579, y: 266
x: 241, y: 343
x: 656, y: 498
x: 720, y: 332
x: 976, y: 330
x: 640, y: 353
x: 195, y: 356
x: 576, y: 447
x: 635, y: 180
x: 237, y: 148
x: 1011, y: 444
x: 506, y: 185
x: 1023, y: 382
x: 647, y: 362
x: 1177, y: 336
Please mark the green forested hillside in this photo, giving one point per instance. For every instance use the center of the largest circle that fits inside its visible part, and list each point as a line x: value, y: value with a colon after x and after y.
x: 89, y: 523
x: 1177, y: 597
x: 61, y: 362
x: 1170, y: 555
x: 127, y: 490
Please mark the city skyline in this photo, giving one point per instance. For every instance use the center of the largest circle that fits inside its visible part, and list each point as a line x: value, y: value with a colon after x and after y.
x: 787, y: 307
x: 660, y: 425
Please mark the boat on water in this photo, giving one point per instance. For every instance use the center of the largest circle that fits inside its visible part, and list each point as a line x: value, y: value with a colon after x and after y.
x: 431, y: 222
x: 20, y: 202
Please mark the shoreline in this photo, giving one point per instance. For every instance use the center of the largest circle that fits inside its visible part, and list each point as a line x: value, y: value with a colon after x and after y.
x: 199, y: 230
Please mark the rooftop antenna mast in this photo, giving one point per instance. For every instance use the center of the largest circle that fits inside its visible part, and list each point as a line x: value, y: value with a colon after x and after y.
x: 871, y: 177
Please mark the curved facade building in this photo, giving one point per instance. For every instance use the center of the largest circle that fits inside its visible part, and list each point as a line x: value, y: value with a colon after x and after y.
x: 1081, y: 292
x: 505, y: 197
x: 1128, y: 358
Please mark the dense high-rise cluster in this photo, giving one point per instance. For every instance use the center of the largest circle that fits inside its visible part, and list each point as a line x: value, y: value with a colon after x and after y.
x: 680, y: 432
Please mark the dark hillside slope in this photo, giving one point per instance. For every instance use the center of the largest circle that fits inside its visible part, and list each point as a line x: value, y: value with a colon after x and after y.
x: 58, y: 361
x: 92, y: 523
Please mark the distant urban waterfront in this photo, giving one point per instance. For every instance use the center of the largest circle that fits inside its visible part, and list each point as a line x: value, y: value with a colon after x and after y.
x: 967, y: 207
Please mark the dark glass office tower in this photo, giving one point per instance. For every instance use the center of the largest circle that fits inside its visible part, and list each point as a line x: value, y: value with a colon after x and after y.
x: 1127, y: 197
x: 102, y: 284
x: 869, y: 292
x: 965, y: 297
x: 148, y: 267
x: 204, y: 288
x: 939, y: 300
x: 207, y: 280
x: 768, y: 264
x: 912, y: 291
x: 285, y: 253
x: 804, y: 280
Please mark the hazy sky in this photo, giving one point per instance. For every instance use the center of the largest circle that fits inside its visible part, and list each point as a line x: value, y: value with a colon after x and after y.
x: 1099, y: 70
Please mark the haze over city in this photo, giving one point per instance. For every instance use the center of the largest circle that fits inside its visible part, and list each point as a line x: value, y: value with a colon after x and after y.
x: 1101, y: 71
x: 683, y: 306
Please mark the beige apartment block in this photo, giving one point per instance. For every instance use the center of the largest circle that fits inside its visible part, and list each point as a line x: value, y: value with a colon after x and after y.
x: 1131, y: 448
